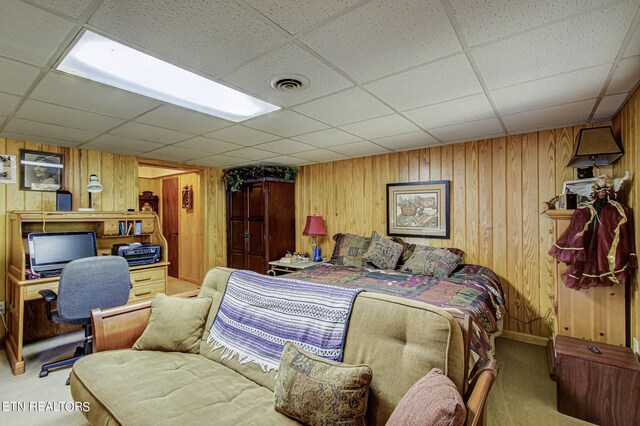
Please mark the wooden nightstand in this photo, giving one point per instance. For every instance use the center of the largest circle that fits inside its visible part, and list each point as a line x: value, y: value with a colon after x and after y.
x: 599, y: 388
x: 277, y: 267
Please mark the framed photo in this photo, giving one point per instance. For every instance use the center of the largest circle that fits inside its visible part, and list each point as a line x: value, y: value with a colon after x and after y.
x: 582, y: 188
x: 41, y: 171
x: 8, y: 170
x: 418, y: 209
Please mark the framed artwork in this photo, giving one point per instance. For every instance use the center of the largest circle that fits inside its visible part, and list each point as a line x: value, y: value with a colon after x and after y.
x: 8, y: 170
x: 418, y: 209
x: 41, y: 171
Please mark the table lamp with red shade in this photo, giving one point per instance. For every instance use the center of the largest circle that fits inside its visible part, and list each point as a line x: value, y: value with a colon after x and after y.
x: 315, y: 227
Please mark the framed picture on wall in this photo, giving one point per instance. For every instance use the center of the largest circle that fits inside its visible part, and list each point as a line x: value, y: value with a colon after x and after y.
x: 41, y: 171
x: 418, y: 209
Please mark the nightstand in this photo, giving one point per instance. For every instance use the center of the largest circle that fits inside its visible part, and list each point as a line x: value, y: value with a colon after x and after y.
x: 602, y: 388
x: 277, y: 267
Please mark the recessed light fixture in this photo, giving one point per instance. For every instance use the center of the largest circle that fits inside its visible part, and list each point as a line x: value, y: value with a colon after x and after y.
x: 103, y: 60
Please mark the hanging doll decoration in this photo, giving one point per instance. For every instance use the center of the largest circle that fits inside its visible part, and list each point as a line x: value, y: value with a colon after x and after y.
x: 598, y: 246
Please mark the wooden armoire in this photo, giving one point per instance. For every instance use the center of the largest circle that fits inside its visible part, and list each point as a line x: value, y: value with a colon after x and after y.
x: 260, y: 224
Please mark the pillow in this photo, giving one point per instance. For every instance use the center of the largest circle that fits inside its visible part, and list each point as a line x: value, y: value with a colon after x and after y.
x: 317, y: 391
x: 432, y: 400
x: 432, y: 261
x: 382, y: 253
x: 408, y: 249
x: 176, y: 324
x: 349, y: 249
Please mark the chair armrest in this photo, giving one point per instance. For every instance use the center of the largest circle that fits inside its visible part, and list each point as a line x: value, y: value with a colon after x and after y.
x: 482, y: 379
x: 48, y: 295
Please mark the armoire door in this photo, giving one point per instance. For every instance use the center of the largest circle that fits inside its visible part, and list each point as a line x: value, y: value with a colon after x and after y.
x: 255, y: 238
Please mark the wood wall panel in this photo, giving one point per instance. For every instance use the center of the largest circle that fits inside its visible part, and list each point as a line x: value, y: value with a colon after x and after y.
x: 191, y: 235
x: 497, y: 189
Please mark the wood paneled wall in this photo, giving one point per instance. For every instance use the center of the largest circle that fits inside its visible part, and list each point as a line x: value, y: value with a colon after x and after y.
x: 497, y: 189
x: 626, y: 127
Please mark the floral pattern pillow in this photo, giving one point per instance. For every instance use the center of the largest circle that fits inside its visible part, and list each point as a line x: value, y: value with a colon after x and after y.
x: 382, y: 253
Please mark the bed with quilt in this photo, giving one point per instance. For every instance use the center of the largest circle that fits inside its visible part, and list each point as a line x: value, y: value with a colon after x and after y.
x: 432, y: 275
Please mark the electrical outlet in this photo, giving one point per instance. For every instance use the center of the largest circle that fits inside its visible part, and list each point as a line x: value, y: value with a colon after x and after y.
x: 635, y: 346
x: 2, y: 307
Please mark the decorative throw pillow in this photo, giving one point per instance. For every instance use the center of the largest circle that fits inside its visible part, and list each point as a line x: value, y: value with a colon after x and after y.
x: 349, y: 249
x: 382, y: 253
x: 317, y: 391
x: 176, y: 324
x: 453, y: 250
x: 432, y: 400
x: 432, y: 261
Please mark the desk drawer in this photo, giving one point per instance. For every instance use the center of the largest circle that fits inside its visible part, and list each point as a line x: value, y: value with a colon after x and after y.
x: 144, y: 292
x: 32, y: 290
x: 147, y: 275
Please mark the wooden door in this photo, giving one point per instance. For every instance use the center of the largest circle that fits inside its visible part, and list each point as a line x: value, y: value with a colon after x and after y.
x: 256, y: 247
x: 236, y: 221
x: 171, y: 223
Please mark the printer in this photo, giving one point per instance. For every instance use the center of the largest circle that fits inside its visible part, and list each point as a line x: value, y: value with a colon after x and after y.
x: 137, y: 253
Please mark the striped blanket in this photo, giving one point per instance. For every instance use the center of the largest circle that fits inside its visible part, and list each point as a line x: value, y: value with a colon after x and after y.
x: 259, y: 313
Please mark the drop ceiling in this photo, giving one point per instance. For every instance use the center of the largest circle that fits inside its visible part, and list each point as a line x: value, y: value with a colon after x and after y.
x: 385, y: 75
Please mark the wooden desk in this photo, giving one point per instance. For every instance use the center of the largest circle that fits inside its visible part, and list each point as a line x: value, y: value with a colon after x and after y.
x: 146, y: 280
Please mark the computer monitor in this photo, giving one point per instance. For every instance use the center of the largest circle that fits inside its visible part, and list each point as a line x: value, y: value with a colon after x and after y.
x: 53, y: 250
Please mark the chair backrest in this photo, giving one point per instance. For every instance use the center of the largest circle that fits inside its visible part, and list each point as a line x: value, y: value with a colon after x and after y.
x: 93, y: 282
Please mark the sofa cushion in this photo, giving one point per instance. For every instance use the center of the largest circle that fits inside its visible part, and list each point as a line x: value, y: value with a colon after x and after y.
x: 432, y: 401
x: 149, y: 387
x: 176, y: 324
x: 382, y: 253
x: 317, y: 391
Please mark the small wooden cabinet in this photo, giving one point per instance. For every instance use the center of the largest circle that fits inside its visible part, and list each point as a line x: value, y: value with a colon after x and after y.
x: 260, y: 224
x: 601, y: 388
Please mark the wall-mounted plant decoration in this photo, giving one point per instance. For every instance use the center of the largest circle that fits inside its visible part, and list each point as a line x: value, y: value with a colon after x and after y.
x: 234, y: 178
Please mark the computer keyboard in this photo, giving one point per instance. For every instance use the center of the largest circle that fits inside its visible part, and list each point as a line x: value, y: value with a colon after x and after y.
x: 51, y: 273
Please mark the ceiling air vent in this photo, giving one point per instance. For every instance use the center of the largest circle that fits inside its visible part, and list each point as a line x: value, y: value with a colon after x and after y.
x: 289, y: 82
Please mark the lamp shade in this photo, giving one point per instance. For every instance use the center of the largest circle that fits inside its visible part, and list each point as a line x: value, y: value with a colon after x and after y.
x: 596, y: 146
x: 94, y: 184
x: 315, y: 226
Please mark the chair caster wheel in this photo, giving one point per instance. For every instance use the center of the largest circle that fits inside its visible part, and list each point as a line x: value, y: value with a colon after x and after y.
x: 43, y: 373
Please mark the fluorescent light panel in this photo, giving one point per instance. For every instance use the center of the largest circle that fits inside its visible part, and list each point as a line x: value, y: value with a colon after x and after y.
x: 103, y: 60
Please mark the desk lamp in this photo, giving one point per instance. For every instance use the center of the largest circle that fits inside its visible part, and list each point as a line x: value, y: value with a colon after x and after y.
x: 94, y: 187
x: 315, y: 227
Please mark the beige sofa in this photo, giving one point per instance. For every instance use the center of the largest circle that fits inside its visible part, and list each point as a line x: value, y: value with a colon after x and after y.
x: 401, y: 340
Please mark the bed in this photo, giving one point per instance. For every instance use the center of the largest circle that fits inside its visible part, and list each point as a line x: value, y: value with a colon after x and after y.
x: 470, y: 289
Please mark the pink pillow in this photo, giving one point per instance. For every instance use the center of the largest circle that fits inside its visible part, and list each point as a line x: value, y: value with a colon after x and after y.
x: 432, y: 401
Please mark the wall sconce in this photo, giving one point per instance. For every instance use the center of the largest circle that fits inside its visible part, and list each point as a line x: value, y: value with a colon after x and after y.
x: 93, y: 187
x: 595, y: 147
x: 187, y: 197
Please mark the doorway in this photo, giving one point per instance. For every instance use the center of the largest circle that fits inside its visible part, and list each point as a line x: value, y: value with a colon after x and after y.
x: 171, y: 223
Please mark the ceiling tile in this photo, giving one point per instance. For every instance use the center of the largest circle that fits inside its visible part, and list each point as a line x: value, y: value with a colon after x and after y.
x: 183, y: 120
x: 212, y: 38
x: 242, y: 135
x: 385, y: 36
x: 556, y: 90
x: 461, y: 110
x: 16, y: 77
x: 297, y: 15
x: 285, y: 160
x: 609, y: 106
x: 321, y: 155
x: 381, y: 127
x: 35, y: 138
x: 254, y: 76
x: 212, y: 146
x: 360, y: 149
x: 30, y: 34
x: 449, y: 78
x: 250, y: 153
x: 175, y: 153
x: 149, y: 133
x: 72, y: 8
x: 63, y: 116
x: 345, y: 107
x: 634, y: 45
x: 8, y: 103
x: 285, y: 123
x: 579, y: 42
x: 493, y: 19
x: 548, y: 118
x: 327, y: 138
x: 474, y: 130
x: 285, y: 146
x: 75, y: 92
x: 120, y: 145
x: 626, y: 77
x: 219, y: 160
x: 407, y: 141
x: 17, y: 125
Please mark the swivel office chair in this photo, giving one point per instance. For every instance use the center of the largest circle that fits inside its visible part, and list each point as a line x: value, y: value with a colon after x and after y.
x: 85, y: 284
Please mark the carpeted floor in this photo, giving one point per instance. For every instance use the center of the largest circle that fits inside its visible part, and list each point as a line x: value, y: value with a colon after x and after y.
x: 523, y: 393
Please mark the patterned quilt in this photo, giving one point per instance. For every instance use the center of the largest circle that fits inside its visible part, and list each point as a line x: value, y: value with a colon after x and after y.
x: 470, y: 289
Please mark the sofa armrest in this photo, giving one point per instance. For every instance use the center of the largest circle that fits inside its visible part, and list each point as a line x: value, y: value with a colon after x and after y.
x: 480, y: 384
